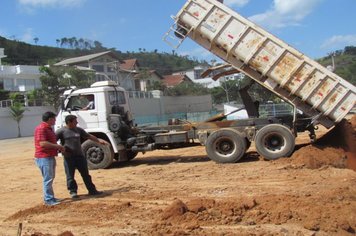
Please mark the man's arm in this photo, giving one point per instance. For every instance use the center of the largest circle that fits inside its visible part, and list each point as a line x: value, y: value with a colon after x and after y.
x: 86, y: 135
x: 47, y: 144
x: 42, y: 141
x: 95, y: 139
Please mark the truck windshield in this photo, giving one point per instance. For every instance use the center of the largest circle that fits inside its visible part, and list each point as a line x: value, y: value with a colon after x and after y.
x: 116, y: 98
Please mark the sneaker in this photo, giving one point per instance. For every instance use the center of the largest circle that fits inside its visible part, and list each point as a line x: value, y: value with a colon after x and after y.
x: 74, y: 195
x: 58, y: 200
x: 96, y: 193
x: 52, y: 203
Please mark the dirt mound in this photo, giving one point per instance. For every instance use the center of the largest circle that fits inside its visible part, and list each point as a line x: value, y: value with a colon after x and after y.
x: 337, y: 148
x: 315, y: 157
x: 309, y: 211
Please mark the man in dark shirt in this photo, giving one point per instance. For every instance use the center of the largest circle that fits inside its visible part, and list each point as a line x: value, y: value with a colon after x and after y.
x: 46, y: 148
x: 71, y: 136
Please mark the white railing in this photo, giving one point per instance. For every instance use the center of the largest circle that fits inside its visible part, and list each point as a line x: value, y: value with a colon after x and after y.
x: 139, y: 94
x: 25, y: 103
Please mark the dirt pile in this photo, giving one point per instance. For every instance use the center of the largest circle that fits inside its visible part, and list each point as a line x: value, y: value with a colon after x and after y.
x: 337, y: 148
x: 314, y: 213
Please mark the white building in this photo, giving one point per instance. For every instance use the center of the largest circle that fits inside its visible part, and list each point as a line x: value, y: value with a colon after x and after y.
x: 19, y: 78
x: 126, y: 73
x: 195, y: 76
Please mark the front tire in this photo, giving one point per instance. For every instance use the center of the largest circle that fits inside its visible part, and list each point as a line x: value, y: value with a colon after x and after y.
x: 274, y: 141
x: 98, y: 156
x: 225, y: 146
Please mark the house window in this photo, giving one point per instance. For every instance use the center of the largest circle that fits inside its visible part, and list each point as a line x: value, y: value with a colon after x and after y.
x: 137, y: 85
x: 98, y: 68
x: 100, y: 78
x: 9, y: 84
x: 25, y: 84
x: 38, y: 83
x: 1, y: 83
x: 197, y: 73
x: 111, y: 69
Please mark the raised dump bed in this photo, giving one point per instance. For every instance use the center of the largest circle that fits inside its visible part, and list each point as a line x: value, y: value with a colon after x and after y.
x: 265, y: 58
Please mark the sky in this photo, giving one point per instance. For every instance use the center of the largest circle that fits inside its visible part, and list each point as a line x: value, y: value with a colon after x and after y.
x: 313, y: 27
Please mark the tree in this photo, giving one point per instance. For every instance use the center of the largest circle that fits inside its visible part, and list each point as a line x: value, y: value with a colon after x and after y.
x: 36, y: 40
x: 156, y: 85
x: 57, y: 79
x: 16, y: 111
x: 187, y: 88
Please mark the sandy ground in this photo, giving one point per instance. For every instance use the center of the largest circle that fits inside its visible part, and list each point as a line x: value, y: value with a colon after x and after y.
x: 182, y: 192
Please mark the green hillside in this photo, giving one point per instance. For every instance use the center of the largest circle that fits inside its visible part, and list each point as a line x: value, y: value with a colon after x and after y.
x: 345, y: 63
x: 20, y: 53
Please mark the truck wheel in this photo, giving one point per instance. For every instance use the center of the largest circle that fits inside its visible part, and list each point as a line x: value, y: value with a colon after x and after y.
x: 131, y: 155
x: 225, y: 146
x: 98, y: 156
x: 274, y: 141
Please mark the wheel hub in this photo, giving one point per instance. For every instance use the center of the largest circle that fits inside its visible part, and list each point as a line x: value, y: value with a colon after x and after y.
x: 224, y: 147
x: 274, y: 142
x: 95, y: 155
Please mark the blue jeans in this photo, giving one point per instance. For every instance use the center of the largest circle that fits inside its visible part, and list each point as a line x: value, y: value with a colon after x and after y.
x: 48, y: 170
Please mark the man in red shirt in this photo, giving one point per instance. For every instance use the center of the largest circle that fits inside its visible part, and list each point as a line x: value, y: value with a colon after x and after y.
x: 46, y: 148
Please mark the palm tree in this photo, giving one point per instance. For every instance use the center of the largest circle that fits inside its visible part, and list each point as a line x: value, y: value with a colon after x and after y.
x: 36, y: 40
x: 16, y: 111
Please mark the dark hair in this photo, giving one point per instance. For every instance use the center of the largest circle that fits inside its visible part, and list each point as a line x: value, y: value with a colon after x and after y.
x: 48, y: 115
x: 70, y: 118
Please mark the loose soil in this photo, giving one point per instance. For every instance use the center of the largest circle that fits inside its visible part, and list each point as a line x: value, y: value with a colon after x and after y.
x: 182, y: 192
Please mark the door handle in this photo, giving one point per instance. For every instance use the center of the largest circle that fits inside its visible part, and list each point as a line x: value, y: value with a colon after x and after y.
x: 93, y: 113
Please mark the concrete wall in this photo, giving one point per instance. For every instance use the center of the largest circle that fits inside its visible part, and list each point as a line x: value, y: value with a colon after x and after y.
x: 144, y: 107
x: 168, y: 105
x: 154, y: 108
x: 187, y: 104
x: 32, y: 117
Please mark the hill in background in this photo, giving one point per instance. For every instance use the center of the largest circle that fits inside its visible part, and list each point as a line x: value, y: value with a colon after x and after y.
x: 20, y: 53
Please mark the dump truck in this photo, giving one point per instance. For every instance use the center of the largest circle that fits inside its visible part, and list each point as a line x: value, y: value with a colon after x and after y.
x: 316, y: 95
x: 313, y: 89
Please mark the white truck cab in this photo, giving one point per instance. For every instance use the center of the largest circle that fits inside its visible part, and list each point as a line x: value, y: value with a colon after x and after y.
x: 107, y: 112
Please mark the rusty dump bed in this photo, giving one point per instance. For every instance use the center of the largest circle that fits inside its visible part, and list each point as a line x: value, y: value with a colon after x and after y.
x: 271, y: 62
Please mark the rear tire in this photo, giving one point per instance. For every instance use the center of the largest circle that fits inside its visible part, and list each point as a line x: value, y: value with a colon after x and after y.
x: 274, y: 141
x: 225, y: 146
x: 98, y: 156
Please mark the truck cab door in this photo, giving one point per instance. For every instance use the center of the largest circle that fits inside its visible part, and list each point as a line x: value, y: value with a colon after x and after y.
x: 86, y: 110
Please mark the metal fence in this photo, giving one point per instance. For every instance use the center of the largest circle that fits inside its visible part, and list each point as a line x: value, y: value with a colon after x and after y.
x: 275, y: 109
x: 25, y: 103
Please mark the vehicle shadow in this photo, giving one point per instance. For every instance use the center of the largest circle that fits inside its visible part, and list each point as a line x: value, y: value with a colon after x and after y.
x: 159, y: 160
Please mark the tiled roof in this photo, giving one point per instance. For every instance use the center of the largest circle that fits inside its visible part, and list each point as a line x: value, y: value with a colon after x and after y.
x: 173, y: 80
x: 129, y: 64
x: 86, y: 58
x: 151, y: 72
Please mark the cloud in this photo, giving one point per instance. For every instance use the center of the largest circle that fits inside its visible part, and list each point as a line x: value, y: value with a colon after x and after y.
x: 28, y: 36
x: 285, y: 13
x: 339, y: 41
x: 50, y: 3
x: 236, y: 3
